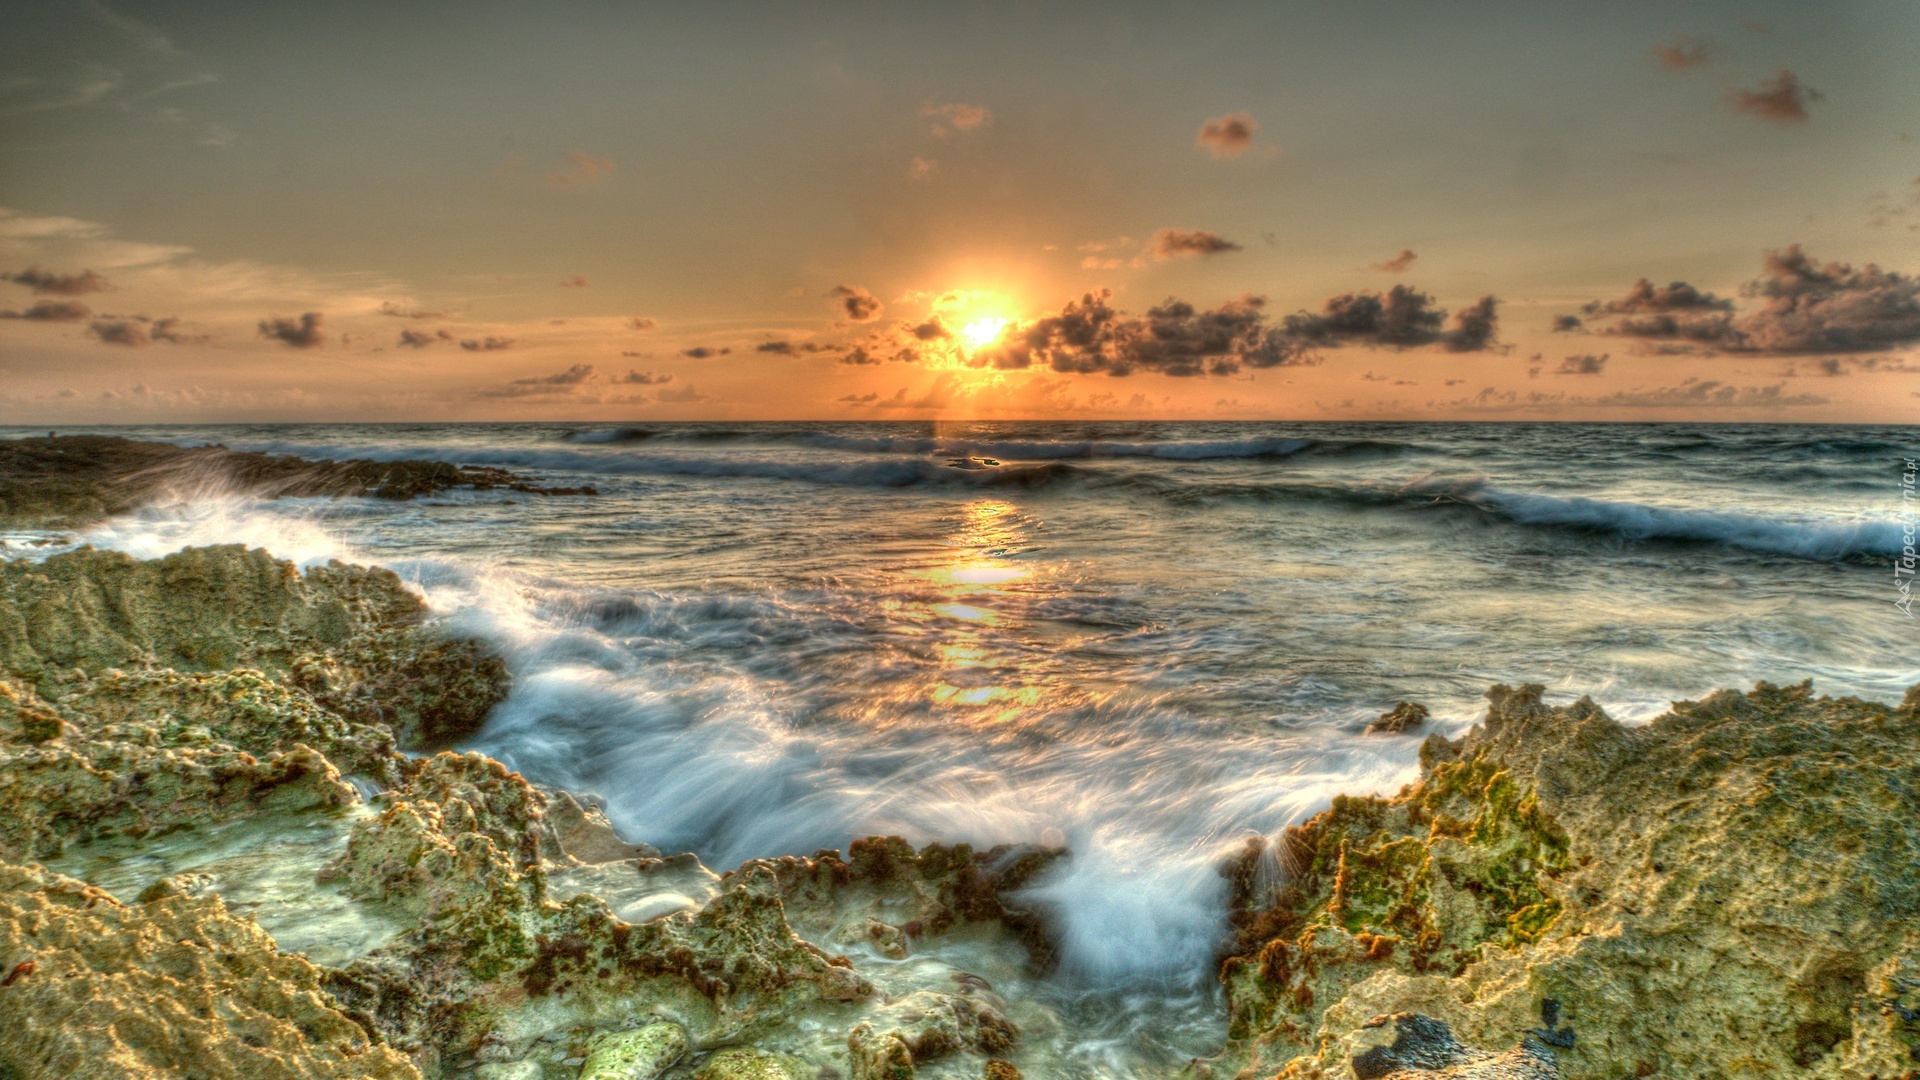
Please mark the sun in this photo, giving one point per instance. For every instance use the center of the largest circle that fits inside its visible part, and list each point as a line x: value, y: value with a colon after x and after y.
x: 982, y: 332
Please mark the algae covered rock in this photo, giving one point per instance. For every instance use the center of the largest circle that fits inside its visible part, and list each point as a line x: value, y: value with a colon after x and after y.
x: 173, y: 988
x: 1423, y: 1049
x: 742, y: 1063
x: 1727, y: 888
x: 638, y: 1054
x: 352, y: 638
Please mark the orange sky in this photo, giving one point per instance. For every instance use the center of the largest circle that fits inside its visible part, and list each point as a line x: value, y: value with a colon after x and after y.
x: 757, y: 212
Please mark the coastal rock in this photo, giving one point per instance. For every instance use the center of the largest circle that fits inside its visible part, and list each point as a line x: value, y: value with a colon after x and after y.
x: 876, y: 1055
x: 1728, y: 888
x: 353, y: 639
x: 94, y: 779
x: 176, y: 987
x: 75, y: 480
x: 638, y: 1054
x: 1423, y: 1049
x: 886, y: 893
x: 746, y: 1064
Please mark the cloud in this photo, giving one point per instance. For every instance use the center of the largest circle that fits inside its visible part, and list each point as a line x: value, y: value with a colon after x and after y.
x: 642, y: 322
x: 922, y: 168
x: 487, y: 344
x: 1227, y: 136
x: 703, y: 352
x: 859, y: 399
x: 1563, y: 324
x: 420, y: 339
x: 795, y: 348
x: 957, y: 116
x: 1400, y: 318
x: 562, y: 382
x: 1675, y: 311
x: 583, y: 170
x: 301, y: 333
x: 644, y: 378
x: 388, y: 307
x: 48, y: 283
x: 138, y: 330
x: 1584, y: 364
x: 1397, y: 264
x: 1188, y: 244
x: 1690, y: 394
x: 1090, y: 336
x: 577, y: 281
x: 1780, y: 99
x: 1685, y: 54
x: 858, y: 304
x: 51, y: 311
x: 686, y: 395
x: 1803, y: 307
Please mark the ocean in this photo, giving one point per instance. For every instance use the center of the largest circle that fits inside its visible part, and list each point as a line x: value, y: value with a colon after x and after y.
x: 1142, y: 641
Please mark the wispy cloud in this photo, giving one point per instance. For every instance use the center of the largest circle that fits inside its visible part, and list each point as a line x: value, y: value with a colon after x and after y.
x: 1685, y: 53
x: 957, y: 117
x: 49, y: 283
x: 1781, y: 99
x: 1398, y: 264
x: 582, y: 170
x: 51, y: 311
x: 856, y: 303
x: 1189, y: 243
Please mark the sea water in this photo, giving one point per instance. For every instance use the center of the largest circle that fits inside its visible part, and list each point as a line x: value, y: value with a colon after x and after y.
x: 1142, y: 641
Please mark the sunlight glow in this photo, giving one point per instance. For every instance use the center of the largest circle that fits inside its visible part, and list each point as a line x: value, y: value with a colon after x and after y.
x: 982, y: 332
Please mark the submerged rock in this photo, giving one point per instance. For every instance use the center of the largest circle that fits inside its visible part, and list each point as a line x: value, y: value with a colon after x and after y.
x: 638, y: 1054
x: 1728, y: 888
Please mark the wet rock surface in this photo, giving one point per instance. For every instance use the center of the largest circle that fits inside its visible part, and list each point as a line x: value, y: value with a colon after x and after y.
x: 1729, y: 890
x: 75, y: 480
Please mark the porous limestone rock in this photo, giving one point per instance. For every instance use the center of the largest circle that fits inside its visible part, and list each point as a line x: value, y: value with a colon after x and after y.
x: 635, y: 1054
x: 741, y: 1063
x: 1728, y: 890
x: 173, y: 988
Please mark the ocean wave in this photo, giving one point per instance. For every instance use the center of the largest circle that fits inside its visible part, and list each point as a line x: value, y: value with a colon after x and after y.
x: 1825, y: 541
x: 1061, y: 450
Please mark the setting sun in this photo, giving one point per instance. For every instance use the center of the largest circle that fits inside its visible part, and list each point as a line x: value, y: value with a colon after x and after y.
x: 982, y: 332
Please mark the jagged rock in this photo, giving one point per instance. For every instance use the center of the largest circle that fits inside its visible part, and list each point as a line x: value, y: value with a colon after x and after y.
x: 137, y: 779
x: 177, y: 987
x: 637, y: 1054
x: 1729, y: 887
x: 1403, y: 717
x: 887, y: 893
x: 1423, y: 1049
x: 876, y: 1055
x: 352, y: 639
x: 997, y: 1069
x: 76, y: 480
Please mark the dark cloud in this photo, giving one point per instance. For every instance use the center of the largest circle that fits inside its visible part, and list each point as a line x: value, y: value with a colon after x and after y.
x: 641, y: 322
x: 1780, y: 99
x: 301, y: 333
x: 1189, y: 243
x: 389, y: 308
x: 51, y: 311
x: 487, y: 344
x: 562, y: 382
x: 1676, y: 311
x: 420, y: 339
x: 1227, y: 136
x: 138, y: 330
x: 1584, y: 364
x: 703, y: 352
x: 794, y: 348
x: 1685, y: 54
x: 48, y: 283
x: 1089, y: 336
x: 858, y: 304
x: 1397, y: 264
x: 859, y: 399
x: 1804, y: 306
x: 1400, y: 318
x: 644, y: 378
x: 1567, y: 323
x: 1689, y: 394
x: 934, y: 329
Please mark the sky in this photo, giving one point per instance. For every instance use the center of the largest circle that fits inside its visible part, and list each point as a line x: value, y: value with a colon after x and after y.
x: 1276, y: 210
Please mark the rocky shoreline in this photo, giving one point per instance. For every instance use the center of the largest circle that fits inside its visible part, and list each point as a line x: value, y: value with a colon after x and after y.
x: 234, y: 842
